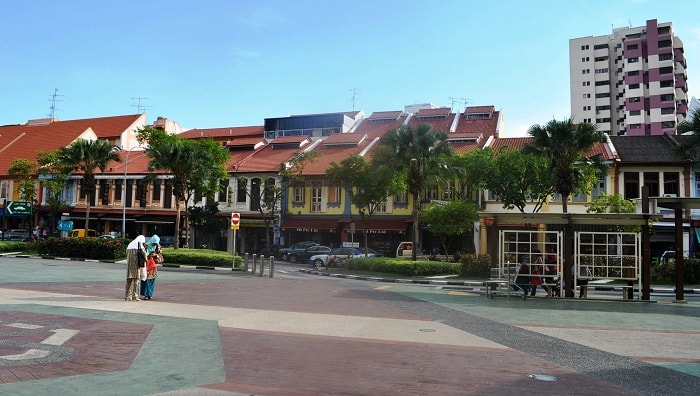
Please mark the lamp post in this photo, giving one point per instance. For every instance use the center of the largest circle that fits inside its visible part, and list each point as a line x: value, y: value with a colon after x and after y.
x: 126, y: 167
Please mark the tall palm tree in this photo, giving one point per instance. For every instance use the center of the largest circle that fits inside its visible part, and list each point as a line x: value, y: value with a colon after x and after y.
x: 88, y: 156
x: 565, y: 145
x: 416, y: 152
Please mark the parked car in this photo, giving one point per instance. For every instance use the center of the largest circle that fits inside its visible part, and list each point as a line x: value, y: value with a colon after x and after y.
x: 82, y: 233
x: 337, y: 256
x: 302, y: 256
x: 167, y: 241
x: 296, y: 248
x: 17, y: 235
x: 106, y: 236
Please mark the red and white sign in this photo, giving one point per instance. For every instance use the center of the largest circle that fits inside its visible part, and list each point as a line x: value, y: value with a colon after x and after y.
x: 235, y: 219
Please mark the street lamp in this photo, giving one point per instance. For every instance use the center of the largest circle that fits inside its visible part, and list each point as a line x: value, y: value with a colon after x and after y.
x: 126, y: 167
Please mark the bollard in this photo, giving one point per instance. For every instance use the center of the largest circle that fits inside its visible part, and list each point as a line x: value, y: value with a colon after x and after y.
x: 255, y: 259
x: 262, y: 266
x: 272, y: 267
x: 245, y: 263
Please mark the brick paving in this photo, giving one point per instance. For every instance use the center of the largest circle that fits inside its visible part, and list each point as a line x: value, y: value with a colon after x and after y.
x: 219, y: 334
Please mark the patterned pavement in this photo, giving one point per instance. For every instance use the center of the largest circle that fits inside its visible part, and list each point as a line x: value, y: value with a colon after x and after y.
x: 65, y: 329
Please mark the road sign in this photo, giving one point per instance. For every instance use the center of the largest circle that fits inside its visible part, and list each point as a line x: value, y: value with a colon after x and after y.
x: 18, y: 208
x: 235, y: 219
x: 276, y: 228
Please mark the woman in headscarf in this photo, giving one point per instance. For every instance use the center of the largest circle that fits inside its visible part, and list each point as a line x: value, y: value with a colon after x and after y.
x: 135, y: 258
x: 149, y: 285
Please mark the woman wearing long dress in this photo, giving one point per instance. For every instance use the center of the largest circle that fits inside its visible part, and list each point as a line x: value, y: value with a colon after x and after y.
x: 149, y: 285
x: 134, y: 249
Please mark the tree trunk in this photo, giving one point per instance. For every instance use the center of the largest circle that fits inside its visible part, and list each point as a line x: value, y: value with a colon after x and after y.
x: 414, y: 238
x: 176, y: 244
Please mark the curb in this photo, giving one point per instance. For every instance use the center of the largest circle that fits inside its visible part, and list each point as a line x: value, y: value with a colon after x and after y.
x: 470, y: 285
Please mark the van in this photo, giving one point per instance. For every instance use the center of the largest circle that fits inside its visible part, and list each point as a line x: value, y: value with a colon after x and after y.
x: 80, y: 233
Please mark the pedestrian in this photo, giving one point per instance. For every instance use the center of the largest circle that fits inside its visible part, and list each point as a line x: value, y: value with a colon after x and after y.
x: 536, y: 277
x: 135, y: 260
x: 153, y: 249
x: 522, y: 280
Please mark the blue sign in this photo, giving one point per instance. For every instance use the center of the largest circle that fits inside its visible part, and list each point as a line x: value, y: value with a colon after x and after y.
x: 276, y: 228
x: 65, y: 225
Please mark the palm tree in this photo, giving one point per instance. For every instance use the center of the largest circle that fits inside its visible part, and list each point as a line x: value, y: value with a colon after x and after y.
x: 416, y: 153
x: 87, y: 156
x: 565, y: 145
x: 691, y: 145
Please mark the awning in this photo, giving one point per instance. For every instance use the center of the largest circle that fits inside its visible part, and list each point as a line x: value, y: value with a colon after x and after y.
x: 155, y: 219
x: 309, y: 224
x: 374, y: 225
x: 380, y: 225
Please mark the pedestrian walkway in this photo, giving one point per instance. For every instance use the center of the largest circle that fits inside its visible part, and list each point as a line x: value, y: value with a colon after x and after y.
x: 65, y: 329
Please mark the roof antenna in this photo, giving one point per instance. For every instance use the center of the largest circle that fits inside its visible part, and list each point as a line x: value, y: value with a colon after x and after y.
x: 53, y: 100
x: 140, y: 108
x: 463, y: 101
x: 353, y: 98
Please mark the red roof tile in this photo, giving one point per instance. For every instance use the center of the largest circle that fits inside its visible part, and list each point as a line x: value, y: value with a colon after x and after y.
x: 227, y: 132
x: 380, y: 123
x: 25, y: 141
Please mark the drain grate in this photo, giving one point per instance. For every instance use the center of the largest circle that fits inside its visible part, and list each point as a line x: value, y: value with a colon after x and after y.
x: 543, y: 377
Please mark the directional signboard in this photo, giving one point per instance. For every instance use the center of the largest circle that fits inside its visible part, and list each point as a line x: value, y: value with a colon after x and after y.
x: 18, y: 208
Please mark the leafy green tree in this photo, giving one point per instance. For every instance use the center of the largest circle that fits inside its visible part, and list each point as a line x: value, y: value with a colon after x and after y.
x: 565, y: 146
x: 88, y: 156
x: 691, y: 145
x: 515, y: 177
x: 23, y: 172
x: 53, y: 175
x: 368, y: 185
x: 194, y: 164
x: 452, y: 219
x: 273, y: 189
x: 615, y: 203
x: 418, y: 154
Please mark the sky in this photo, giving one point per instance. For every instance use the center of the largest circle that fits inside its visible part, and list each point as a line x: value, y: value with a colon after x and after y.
x: 226, y: 63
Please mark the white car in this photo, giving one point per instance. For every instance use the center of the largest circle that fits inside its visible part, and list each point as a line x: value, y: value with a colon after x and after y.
x: 337, y: 257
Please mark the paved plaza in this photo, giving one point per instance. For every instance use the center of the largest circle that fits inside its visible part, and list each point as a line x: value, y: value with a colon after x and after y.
x: 65, y: 329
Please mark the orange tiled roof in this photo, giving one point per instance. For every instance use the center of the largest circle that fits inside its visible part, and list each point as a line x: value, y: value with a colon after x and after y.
x: 336, y: 153
x: 26, y: 140
x: 227, y: 132
x: 440, y: 119
x: 485, y: 126
x: 379, y: 123
x: 269, y: 157
x: 520, y: 142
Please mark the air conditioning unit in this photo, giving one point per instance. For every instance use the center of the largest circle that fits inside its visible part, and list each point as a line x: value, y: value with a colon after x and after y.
x: 670, y: 195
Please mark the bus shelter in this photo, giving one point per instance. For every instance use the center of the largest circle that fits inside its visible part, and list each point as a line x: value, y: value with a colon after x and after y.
x: 494, y: 222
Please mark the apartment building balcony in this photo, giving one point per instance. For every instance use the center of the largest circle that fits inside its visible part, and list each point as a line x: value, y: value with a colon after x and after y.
x: 681, y: 82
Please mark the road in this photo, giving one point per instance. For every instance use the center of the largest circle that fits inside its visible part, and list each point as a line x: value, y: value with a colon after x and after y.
x: 64, y: 326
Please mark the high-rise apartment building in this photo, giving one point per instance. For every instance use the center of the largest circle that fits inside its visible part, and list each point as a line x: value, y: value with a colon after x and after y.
x: 631, y: 82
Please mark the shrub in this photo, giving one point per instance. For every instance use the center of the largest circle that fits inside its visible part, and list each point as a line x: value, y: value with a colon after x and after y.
x: 402, y: 266
x: 475, y: 265
x: 666, y: 271
x: 8, y: 246
x: 86, y: 248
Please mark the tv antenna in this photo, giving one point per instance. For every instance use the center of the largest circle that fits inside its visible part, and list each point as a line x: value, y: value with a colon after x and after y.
x: 53, y: 100
x: 140, y: 107
x: 353, y: 98
x: 463, y: 101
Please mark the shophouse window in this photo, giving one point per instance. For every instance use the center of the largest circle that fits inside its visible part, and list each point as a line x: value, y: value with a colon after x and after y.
x: 651, y: 180
x: 671, y: 183
x: 631, y: 185
x: 316, y: 197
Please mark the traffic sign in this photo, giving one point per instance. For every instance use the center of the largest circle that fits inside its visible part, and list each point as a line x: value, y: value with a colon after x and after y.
x: 276, y: 228
x: 235, y: 219
x: 18, y: 208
